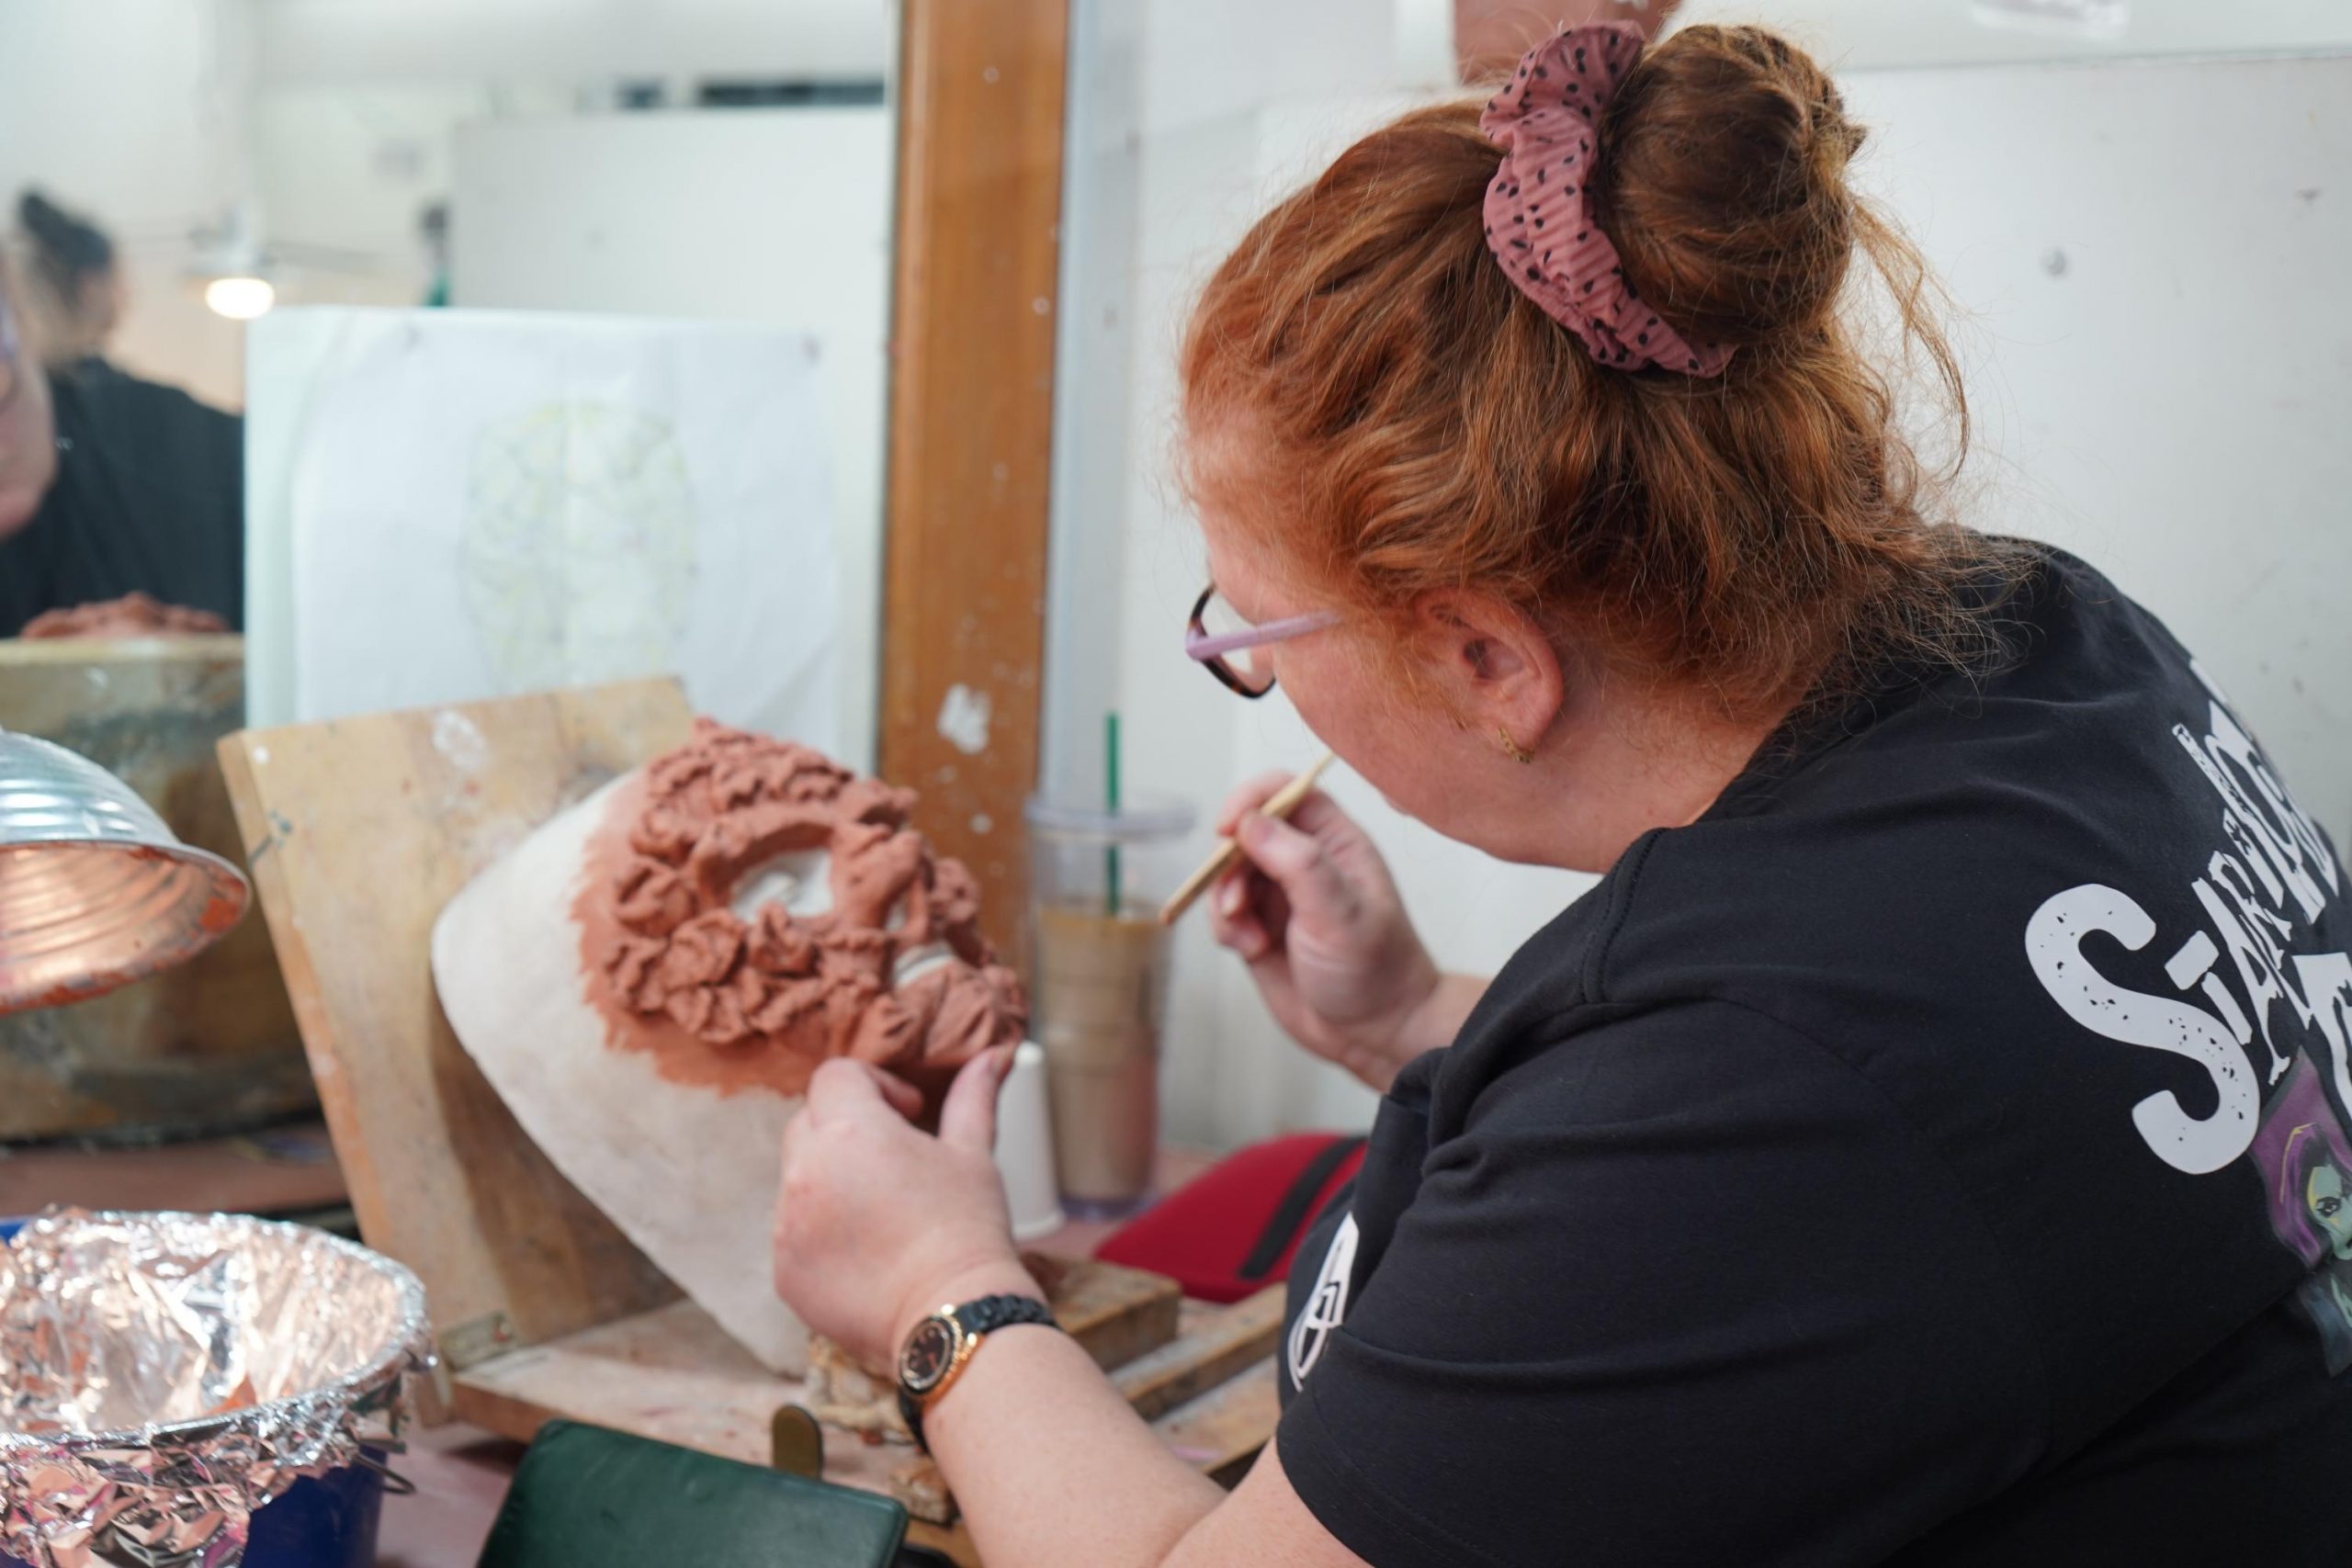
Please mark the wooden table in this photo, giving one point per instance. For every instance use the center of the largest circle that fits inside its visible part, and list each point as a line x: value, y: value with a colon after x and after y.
x: 283, y: 1172
x: 461, y: 1472
x: 359, y: 830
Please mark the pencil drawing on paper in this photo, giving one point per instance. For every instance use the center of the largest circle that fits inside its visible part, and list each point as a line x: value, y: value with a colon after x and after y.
x: 579, y: 544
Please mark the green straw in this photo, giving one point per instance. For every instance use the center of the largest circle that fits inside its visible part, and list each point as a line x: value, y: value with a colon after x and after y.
x: 1110, y: 899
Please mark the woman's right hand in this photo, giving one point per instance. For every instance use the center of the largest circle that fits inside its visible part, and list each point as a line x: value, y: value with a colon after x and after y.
x: 1315, y: 914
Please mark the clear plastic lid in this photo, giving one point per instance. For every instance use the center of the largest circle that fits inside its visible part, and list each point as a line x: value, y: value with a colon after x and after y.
x: 1145, y: 819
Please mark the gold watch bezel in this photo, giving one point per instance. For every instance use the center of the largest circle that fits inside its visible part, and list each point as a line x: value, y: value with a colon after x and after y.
x: 963, y: 1342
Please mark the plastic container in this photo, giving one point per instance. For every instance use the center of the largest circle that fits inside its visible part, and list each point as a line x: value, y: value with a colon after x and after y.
x: 1098, y: 971
x: 1025, y: 1146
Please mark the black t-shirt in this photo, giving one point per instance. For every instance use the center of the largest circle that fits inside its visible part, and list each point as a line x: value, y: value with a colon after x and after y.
x: 148, y: 498
x: 1936, y: 1154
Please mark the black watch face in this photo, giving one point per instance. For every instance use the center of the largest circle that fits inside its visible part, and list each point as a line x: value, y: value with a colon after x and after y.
x: 929, y: 1350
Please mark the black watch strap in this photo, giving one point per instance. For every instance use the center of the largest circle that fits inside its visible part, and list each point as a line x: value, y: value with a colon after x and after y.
x: 984, y: 1315
x: 992, y: 1313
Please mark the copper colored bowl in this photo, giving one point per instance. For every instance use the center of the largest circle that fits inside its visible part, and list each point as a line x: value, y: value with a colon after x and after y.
x: 95, y: 890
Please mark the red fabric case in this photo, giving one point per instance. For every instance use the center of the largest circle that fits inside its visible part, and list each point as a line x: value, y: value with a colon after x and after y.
x: 1232, y: 1229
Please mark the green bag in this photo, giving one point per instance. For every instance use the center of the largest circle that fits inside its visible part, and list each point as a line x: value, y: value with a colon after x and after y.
x: 590, y: 1498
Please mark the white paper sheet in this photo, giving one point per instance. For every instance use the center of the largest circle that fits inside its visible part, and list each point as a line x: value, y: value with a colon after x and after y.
x: 483, y: 503
x: 688, y: 1174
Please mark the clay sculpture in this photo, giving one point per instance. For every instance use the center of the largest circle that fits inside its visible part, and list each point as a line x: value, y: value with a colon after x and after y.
x: 649, y: 978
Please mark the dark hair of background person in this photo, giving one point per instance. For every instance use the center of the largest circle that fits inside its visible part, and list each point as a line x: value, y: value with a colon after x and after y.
x: 66, y: 250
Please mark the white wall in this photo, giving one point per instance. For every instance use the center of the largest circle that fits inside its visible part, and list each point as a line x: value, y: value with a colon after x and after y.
x: 1161, y: 154
x: 132, y: 111
x: 780, y: 217
x: 342, y: 173
x: 1870, y: 34
x: 347, y: 41
x: 1094, y: 349
x: 2161, y: 346
x: 2169, y: 401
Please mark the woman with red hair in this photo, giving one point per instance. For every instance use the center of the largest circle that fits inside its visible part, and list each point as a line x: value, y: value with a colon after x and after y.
x: 1859, y: 1173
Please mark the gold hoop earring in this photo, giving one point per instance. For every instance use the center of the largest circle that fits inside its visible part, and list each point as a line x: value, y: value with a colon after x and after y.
x: 1513, y: 748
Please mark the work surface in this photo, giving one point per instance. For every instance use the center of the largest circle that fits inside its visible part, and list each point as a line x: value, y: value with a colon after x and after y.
x: 287, y: 1172
x: 543, y: 1307
x: 461, y: 1472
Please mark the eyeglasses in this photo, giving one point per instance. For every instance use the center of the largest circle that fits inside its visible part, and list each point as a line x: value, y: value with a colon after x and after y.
x: 1216, y: 629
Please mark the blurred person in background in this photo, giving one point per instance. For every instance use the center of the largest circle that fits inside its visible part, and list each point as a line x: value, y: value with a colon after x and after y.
x: 72, y: 295
x: 109, y: 484
x: 28, y: 441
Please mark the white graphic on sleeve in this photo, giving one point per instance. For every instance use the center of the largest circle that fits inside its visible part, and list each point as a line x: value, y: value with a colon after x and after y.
x: 2053, y: 943
x: 2271, y: 875
x: 1326, y: 1304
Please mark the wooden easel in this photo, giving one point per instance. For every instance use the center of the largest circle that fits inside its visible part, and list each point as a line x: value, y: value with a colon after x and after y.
x: 358, y: 831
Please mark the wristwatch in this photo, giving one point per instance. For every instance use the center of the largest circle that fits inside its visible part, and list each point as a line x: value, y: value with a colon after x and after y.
x: 937, y: 1349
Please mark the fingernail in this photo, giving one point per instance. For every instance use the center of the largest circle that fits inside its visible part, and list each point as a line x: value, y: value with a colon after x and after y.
x: 1229, y: 897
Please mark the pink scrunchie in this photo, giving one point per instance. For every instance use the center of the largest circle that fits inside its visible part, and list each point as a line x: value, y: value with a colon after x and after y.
x: 1539, y: 212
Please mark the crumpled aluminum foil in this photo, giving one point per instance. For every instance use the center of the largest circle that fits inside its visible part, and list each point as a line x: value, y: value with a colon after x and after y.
x: 163, y: 1375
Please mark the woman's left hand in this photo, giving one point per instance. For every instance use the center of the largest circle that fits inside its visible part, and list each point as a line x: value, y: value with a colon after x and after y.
x: 877, y: 1223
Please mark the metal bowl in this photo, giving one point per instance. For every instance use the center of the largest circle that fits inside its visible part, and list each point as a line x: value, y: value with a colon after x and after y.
x: 95, y: 890
x: 165, y: 1377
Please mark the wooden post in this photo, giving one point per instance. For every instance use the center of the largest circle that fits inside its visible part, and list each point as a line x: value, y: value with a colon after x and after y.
x: 971, y: 420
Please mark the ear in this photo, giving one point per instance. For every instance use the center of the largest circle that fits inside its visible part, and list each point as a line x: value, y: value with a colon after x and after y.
x: 1495, y: 665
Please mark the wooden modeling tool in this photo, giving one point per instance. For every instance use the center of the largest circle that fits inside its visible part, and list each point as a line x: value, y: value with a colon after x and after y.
x: 1284, y: 802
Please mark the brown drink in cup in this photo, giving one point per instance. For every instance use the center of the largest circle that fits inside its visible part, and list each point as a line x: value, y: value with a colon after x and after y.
x: 1099, y: 968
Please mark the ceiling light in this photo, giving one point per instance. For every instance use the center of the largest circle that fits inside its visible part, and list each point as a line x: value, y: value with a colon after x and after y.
x: 240, y: 298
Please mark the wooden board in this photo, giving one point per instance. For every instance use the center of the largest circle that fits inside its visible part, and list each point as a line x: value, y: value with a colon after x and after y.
x: 284, y: 1172
x: 972, y: 427
x: 1220, y: 1345
x: 672, y: 1373
x: 1220, y: 1434
x: 1117, y: 1314
x: 357, y: 831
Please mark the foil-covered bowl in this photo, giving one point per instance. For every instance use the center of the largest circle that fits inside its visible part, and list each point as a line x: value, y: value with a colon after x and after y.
x: 163, y: 1376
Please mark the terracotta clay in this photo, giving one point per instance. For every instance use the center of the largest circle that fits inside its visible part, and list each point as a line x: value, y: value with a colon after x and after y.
x: 133, y: 614
x: 894, y: 972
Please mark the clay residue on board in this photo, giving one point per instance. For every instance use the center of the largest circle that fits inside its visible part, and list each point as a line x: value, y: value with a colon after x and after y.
x: 133, y: 614
x: 895, y: 971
